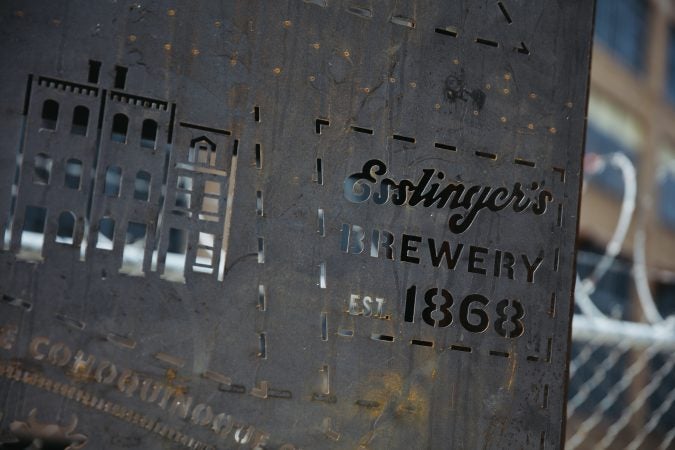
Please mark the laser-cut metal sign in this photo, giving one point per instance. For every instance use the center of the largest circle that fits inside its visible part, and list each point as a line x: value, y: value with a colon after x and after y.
x: 289, y: 224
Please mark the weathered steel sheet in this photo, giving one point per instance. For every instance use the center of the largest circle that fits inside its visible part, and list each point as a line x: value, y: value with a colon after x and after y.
x: 289, y: 224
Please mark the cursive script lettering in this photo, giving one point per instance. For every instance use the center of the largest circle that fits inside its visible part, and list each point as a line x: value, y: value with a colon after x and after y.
x: 360, y: 187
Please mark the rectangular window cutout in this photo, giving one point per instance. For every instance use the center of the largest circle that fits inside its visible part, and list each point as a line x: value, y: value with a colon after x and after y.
x: 134, y: 249
x: 32, y: 234
x: 106, y: 233
x: 204, y: 260
x: 120, y: 77
x: 210, y: 204
x: 256, y: 113
x: 212, y: 187
x: 184, y: 182
x: 174, y: 269
x: 94, y: 71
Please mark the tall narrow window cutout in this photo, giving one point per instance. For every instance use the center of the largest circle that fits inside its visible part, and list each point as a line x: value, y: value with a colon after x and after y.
x: 80, y: 120
x: 50, y: 114
x: 65, y: 233
x: 142, y: 186
x: 106, y: 233
x: 204, y: 260
x: 174, y: 269
x: 149, y: 134
x: 42, y: 169
x: 134, y: 249
x: 120, y: 124
x: 94, y: 71
x: 113, y: 181
x: 120, y: 77
x: 73, y: 178
x: 32, y: 233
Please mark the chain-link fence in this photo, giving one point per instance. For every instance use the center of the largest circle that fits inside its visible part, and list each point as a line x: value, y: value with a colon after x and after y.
x: 622, y: 377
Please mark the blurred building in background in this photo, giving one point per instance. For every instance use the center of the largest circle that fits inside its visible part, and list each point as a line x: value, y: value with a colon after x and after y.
x: 622, y: 376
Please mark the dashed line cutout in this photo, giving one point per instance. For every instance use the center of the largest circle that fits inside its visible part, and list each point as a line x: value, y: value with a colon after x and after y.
x: 452, y: 148
x: 447, y: 31
x: 362, y: 129
x: 322, y: 224
x: 403, y: 21
x: 400, y: 137
x: 324, y: 326
x: 460, y: 348
x: 256, y: 113
x: 121, y: 341
x: 259, y: 203
x: 217, y: 377
x: 322, y: 275
x: 15, y: 301
x: 487, y: 155
x: 524, y: 162
x: 170, y: 359
x: 487, y: 42
x: 319, y: 171
x: 319, y: 123
x: 321, y: 3
x: 421, y: 343
x: 262, y: 298
x: 261, y: 250
x: 361, y: 12
x: 258, y: 156
x: 381, y: 337
x: 70, y: 321
x: 497, y: 353
x: 506, y: 14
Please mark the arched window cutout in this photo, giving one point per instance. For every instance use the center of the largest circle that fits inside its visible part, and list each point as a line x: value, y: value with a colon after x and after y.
x: 50, y: 114
x: 149, y: 134
x: 80, y: 120
x: 120, y: 124
x: 73, y: 174
x: 66, y: 230
x: 202, y: 151
x: 113, y: 181
x: 106, y: 233
x: 42, y: 169
x: 142, y: 185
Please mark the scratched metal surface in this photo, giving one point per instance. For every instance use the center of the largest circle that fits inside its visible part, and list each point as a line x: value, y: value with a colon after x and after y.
x: 288, y: 224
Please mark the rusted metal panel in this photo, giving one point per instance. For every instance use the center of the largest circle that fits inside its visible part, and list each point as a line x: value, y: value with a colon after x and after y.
x: 289, y: 224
